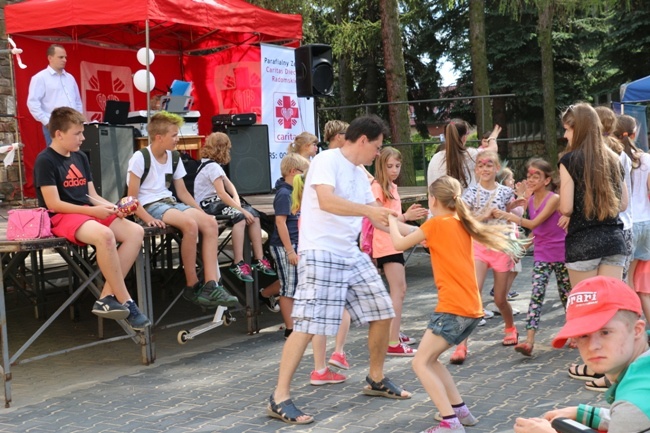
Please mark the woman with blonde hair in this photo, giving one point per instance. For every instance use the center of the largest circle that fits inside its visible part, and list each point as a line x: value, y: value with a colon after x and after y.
x: 334, y: 133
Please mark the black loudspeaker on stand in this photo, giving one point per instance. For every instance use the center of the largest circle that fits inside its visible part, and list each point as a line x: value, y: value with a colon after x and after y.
x: 314, y: 71
x: 109, y: 149
x: 250, y: 168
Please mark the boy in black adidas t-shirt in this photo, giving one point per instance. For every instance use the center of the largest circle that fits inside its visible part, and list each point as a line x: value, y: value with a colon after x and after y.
x: 63, y: 185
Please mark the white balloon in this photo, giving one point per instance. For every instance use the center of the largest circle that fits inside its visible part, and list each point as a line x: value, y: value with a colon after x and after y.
x: 140, y: 80
x: 142, y: 56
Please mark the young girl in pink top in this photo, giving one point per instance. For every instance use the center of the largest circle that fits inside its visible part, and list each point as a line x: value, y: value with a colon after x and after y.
x: 388, y: 166
x: 548, y: 238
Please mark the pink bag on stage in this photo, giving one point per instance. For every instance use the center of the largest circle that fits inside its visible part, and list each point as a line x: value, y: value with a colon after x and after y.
x: 25, y: 224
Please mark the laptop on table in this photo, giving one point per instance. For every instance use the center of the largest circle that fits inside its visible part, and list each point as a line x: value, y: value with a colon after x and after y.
x: 117, y: 112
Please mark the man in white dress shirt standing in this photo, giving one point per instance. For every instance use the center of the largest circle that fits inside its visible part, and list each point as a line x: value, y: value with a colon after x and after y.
x: 51, y: 88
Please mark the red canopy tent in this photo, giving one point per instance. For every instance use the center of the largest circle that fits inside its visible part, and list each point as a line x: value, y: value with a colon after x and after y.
x: 112, y: 30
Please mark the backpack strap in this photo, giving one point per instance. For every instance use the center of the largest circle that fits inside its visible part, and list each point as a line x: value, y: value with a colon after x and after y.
x: 169, y: 177
x: 203, y: 164
x: 147, y: 163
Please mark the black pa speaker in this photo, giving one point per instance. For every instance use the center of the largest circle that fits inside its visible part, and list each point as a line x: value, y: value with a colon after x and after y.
x: 314, y: 72
x: 109, y: 149
x: 250, y: 166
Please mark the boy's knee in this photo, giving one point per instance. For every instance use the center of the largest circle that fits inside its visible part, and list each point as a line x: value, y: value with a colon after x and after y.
x: 105, y: 238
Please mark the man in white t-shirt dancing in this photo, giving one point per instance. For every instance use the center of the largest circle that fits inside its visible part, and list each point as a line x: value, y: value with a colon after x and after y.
x: 333, y: 273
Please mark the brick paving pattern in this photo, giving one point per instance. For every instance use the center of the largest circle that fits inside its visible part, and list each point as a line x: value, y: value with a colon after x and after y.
x: 221, y: 381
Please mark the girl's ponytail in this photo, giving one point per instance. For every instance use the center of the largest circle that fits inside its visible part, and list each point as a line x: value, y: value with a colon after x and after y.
x: 296, y: 194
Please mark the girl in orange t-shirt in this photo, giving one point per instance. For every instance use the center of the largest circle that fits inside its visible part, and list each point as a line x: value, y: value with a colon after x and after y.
x: 449, y: 235
x: 387, y: 169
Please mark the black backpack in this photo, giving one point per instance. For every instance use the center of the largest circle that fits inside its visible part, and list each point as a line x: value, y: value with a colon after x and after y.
x: 191, y: 168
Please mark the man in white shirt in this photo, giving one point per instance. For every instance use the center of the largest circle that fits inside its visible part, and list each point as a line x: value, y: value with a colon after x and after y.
x: 51, y: 88
x: 333, y: 273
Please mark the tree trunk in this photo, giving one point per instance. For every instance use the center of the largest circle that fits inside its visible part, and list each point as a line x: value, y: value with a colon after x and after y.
x: 346, y: 80
x: 545, y: 29
x: 391, y: 36
x: 478, y: 54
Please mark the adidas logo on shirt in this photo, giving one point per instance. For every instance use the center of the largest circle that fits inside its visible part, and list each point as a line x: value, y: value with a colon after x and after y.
x: 74, y: 178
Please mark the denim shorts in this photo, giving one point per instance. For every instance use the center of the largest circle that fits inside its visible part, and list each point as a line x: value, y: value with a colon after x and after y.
x: 158, y: 208
x: 451, y: 327
x: 641, y: 241
x: 592, y: 265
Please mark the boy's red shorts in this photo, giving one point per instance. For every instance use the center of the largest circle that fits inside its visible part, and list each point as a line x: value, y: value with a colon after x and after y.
x: 65, y: 225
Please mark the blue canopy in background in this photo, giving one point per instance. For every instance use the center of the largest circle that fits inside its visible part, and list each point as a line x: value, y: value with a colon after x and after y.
x: 636, y: 91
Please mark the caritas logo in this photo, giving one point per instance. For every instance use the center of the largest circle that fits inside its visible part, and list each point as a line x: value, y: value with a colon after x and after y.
x: 286, y: 111
x: 582, y: 299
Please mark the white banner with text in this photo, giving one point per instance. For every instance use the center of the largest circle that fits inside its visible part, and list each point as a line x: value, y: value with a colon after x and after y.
x: 283, y: 111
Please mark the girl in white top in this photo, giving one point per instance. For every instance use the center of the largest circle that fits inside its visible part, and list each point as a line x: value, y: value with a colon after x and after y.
x: 457, y: 160
x: 640, y: 203
x: 608, y: 119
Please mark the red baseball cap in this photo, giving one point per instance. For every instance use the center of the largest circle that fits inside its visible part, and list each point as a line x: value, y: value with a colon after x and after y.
x: 594, y: 302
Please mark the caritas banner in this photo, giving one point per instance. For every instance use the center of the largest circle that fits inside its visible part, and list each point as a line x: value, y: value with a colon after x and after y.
x: 283, y: 111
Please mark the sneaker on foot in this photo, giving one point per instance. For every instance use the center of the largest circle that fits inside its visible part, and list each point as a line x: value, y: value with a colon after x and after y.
x: 242, y: 271
x: 467, y: 420
x: 444, y: 427
x: 487, y: 314
x: 338, y: 359
x: 328, y: 377
x: 405, y: 339
x: 271, y: 302
x: 190, y: 293
x: 401, y: 350
x: 136, y: 319
x: 108, y: 307
x: 213, y: 295
x: 264, y: 266
x: 511, y: 294
x: 482, y: 322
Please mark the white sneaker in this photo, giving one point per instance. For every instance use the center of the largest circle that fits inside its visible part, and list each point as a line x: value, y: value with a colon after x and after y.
x: 488, y: 314
x: 482, y: 322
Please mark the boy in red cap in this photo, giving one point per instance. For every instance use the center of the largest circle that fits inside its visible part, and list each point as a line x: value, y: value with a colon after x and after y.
x: 604, y: 317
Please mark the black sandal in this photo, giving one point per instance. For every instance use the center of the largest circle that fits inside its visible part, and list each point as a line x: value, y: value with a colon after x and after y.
x: 287, y: 412
x: 580, y: 372
x: 593, y: 386
x: 385, y: 388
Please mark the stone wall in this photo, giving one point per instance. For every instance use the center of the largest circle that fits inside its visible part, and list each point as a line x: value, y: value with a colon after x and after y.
x: 9, y: 176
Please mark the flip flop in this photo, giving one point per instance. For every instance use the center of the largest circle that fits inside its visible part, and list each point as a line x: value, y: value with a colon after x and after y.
x: 385, y: 388
x: 580, y: 372
x: 287, y: 412
x: 591, y: 385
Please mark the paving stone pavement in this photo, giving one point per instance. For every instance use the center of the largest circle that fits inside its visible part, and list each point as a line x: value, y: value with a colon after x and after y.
x: 221, y: 381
